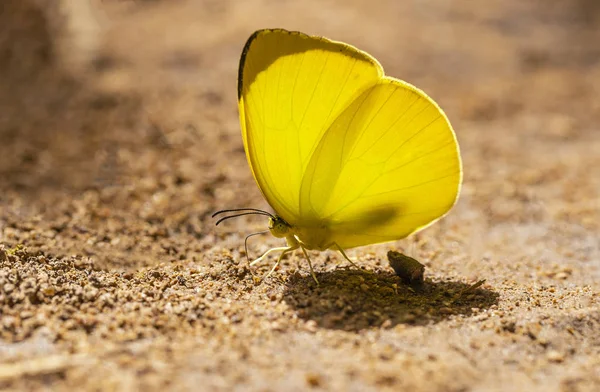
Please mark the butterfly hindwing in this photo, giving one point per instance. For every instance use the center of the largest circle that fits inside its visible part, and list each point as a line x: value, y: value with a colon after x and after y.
x: 386, y: 167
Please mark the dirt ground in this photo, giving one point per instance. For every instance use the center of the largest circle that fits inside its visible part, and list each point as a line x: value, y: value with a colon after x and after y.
x: 114, y: 277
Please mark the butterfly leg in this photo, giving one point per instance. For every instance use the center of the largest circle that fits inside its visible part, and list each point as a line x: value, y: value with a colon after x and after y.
x: 345, y: 256
x: 285, y: 250
x: 261, y: 258
x: 312, y: 271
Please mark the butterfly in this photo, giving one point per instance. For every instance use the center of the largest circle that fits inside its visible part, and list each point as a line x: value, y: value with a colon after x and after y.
x: 345, y: 155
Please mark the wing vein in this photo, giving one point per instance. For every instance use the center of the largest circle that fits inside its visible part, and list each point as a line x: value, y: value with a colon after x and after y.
x: 391, y: 126
x: 419, y: 157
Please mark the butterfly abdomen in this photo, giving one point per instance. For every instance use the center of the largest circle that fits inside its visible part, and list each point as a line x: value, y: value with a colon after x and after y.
x: 314, y: 238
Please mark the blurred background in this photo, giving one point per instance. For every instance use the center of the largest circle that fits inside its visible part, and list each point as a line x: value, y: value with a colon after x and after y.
x: 119, y: 137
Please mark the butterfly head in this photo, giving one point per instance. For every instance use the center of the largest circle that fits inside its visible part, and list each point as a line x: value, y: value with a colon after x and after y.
x: 279, y: 228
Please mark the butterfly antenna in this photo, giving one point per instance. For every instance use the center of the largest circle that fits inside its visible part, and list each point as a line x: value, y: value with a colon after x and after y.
x: 235, y: 216
x: 241, y: 212
x: 246, y: 242
x: 263, y: 212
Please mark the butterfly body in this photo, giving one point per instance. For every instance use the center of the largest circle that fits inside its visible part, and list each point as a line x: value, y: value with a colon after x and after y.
x: 310, y: 238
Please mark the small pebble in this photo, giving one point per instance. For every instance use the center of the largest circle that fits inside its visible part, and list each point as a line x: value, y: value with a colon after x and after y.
x: 555, y: 356
x: 407, y: 268
x: 311, y: 326
x: 561, y: 276
x: 313, y: 379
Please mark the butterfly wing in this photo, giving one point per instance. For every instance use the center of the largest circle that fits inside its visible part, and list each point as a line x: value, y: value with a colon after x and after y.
x: 387, y: 166
x: 291, y: 88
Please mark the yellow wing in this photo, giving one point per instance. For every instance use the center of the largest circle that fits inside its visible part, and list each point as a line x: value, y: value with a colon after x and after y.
x: 291, y: 88
x: 387, y: 166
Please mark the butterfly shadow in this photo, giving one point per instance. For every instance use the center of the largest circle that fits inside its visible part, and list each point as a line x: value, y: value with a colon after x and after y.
x: 353, y: 300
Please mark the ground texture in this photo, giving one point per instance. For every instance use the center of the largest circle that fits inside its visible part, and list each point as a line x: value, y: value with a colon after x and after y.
x: 113, y: 276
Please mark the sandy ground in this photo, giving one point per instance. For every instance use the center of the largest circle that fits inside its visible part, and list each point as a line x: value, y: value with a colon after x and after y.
x: 113, y: 276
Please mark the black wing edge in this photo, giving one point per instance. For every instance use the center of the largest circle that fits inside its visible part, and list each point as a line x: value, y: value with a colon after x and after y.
x: 247, y: 49
x: 243, y: 61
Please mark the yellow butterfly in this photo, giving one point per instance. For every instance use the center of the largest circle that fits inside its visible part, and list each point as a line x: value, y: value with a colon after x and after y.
x: 345, y: 155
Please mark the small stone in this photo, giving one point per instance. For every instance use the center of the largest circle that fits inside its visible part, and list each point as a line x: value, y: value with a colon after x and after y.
x: 543, y: 341
x: 49, y: 291
x: 407, y: 268
x: 555, y: 356
x: 446, y: 310
x: 313, y: 379
x: 410, y: 318
x: 311, y: 326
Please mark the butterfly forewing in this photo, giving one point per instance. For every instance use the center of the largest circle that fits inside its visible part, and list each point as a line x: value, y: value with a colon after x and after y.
x: 291, y: 88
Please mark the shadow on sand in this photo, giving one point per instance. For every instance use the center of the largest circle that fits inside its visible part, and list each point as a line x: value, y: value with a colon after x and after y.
x: 353, y: 300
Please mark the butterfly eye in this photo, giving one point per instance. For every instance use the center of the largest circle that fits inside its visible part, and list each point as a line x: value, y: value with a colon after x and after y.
x: 278, y: 227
